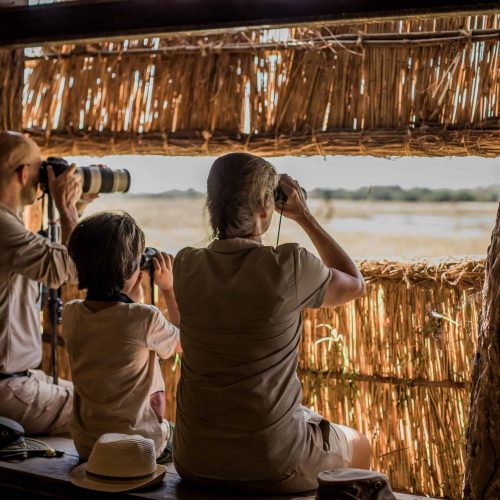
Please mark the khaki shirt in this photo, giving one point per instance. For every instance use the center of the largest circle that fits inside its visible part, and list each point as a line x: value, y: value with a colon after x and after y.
x: 238, y: 401
x: 26, y: 259
x: 114, y: 366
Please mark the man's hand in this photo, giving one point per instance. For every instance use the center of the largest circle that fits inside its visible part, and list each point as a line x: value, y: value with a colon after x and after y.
x: 295, y: 207
x: 66, y: 190
x: 163, y: 276
x: 85, y: 200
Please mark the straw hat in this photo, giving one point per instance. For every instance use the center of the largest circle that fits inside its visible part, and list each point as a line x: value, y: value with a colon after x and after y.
x: 119, y: 462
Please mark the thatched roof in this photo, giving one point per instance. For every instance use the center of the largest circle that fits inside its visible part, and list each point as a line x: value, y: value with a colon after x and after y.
x: 407, y: 87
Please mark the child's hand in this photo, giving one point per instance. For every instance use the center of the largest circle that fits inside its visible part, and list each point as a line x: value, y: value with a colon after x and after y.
x: 136, y: 292
x: 164, y: 279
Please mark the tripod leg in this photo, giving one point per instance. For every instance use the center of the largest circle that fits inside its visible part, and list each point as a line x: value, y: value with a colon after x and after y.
x: 55, y: 303
x: 53, y: 306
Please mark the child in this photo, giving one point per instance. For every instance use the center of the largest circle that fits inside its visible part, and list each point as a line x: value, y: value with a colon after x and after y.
x: 112, y: 340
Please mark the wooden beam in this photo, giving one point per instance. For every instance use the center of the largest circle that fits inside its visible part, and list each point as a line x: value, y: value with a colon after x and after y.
x: 70, y: 21
x: 482, y: 467
x: 430, y: 141
x: 379, y: 379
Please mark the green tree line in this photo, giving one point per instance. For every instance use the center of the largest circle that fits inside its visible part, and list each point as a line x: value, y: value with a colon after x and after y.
x: 397, y: 193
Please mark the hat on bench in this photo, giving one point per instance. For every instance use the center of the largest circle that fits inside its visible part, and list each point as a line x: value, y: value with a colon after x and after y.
x: 355, y: 484
x: 119, y: 462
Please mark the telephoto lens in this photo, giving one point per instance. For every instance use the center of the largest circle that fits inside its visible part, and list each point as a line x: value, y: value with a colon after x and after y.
x: 95, y: 180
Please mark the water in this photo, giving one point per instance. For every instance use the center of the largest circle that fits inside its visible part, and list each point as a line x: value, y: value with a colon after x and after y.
x: 414, y: 224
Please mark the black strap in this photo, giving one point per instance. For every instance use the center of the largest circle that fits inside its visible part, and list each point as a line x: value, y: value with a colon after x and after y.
x: 279, y: 225
x: 15, y: 374
x: 107, y: 297
x: 118, y: 478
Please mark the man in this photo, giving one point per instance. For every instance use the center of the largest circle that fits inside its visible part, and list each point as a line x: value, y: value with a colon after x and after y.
x: 28, y: 260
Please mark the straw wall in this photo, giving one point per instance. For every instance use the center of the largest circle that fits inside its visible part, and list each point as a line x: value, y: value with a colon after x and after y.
x: 419, y: 87
x: 395, y: 364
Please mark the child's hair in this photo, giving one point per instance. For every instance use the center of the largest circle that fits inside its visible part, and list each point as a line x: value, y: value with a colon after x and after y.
x: 238, y: 186
x: 106, y: 248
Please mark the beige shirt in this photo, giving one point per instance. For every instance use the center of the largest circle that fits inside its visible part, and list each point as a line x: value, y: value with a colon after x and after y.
x: 26, y: 260
x: 238, y: 401
x: 114, y: 366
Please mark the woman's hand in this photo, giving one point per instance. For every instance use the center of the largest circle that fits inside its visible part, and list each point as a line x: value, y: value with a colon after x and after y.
x: 295, y: 207
x: 163, y: 276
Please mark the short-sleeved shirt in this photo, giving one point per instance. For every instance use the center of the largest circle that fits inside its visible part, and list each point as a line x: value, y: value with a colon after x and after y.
x: 239, y: 414
x: 114, y: 366
x: 26, y: 261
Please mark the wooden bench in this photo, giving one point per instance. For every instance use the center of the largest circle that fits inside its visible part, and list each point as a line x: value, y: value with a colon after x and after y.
x: 49, y: 478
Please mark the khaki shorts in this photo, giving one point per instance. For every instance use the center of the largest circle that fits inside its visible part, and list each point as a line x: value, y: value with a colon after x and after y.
x: 36, y: 403
x: 329, y: 447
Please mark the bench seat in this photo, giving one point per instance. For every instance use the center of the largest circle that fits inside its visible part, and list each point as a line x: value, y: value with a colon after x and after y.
x: 49, y: 478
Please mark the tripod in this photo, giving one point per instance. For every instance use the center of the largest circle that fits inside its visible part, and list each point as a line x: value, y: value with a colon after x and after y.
x: 54, y: 303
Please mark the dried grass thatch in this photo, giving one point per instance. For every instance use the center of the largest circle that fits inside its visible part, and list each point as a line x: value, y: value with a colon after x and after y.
x: 395, y: 364
x: 411, y: 87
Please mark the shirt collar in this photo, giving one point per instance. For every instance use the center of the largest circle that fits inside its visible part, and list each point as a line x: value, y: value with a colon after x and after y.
x: 233, y: 245
x: 3, y: 206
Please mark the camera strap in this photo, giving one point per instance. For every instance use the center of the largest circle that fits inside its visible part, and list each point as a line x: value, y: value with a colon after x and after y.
x: 106, y: 297
x: 279, y: 225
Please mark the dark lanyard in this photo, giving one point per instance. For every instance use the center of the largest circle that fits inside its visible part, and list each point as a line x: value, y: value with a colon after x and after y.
x: 104, y: 297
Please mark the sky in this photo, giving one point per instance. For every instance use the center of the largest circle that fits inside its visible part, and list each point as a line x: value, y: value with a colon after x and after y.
x: 155, y: 174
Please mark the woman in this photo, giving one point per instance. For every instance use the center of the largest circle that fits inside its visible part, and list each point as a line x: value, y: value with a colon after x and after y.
x: 240, y: 422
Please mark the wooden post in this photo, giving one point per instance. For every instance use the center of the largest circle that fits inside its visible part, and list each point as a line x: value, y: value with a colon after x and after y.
x: 11, y: 89
x: 69, y: 21
x: 482, y: 467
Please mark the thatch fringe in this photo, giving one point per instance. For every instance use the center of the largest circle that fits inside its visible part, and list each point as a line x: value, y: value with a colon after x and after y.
x: 395, y: 364
x: 414, y: 87
x: 428, y: 141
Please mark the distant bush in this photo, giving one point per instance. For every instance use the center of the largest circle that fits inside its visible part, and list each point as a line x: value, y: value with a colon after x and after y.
x: 173, y: 194
x: 397, y: 193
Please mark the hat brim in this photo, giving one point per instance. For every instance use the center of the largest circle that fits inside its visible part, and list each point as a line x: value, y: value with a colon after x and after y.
x: 79, y: 477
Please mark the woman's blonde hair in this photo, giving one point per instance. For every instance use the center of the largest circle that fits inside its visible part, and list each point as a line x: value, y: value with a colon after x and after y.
x: 239, y: 185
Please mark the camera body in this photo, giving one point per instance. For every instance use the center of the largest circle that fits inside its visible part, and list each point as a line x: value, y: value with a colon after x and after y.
x: 147, y: 259
x: 95, y: 180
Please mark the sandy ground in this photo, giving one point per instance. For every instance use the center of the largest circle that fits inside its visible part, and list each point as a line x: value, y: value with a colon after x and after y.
x: 365, y: 229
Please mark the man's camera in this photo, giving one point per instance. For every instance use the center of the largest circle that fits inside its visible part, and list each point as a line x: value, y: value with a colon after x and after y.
x: 147, y: 259
x: 94, y: 179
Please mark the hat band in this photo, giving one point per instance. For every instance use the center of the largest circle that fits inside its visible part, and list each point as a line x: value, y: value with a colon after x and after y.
x: 118, y: 478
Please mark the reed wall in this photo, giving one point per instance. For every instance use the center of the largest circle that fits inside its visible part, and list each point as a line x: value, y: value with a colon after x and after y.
x: 395, y: 364
x: 424, y: 87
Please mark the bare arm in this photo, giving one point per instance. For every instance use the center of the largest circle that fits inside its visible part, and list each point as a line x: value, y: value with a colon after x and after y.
x: 164, y: 280
x: 66, y: 191
x: 346, y: 282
